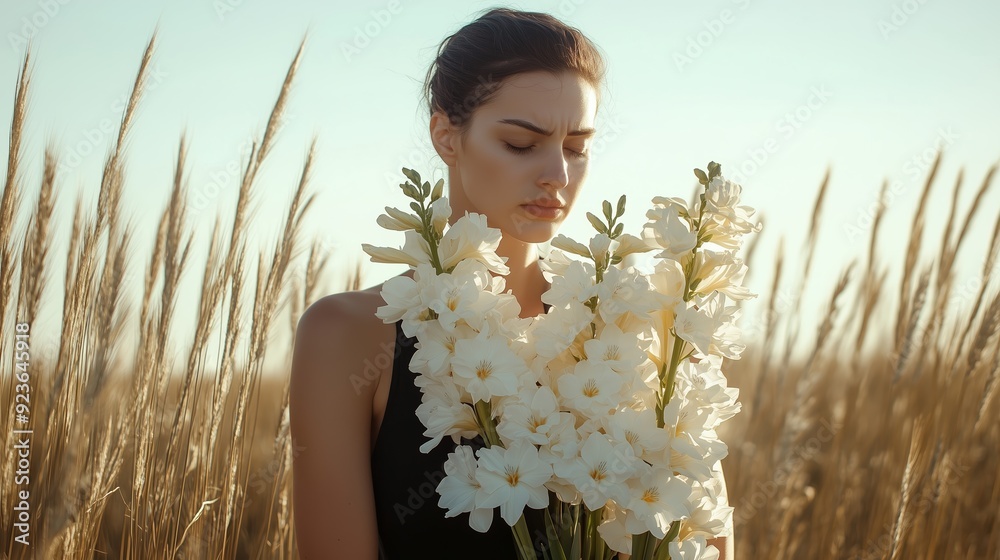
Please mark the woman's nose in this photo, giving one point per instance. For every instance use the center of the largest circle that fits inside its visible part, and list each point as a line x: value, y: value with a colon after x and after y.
x: 556, y: 172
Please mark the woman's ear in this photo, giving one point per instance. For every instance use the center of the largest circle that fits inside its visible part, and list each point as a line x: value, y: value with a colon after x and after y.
x: 445, y: 137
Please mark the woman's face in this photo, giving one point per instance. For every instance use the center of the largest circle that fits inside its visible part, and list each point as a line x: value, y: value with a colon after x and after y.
x: 528, y: 144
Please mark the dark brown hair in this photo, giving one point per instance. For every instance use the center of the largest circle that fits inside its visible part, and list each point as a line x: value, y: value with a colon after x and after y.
x: 472, y: 63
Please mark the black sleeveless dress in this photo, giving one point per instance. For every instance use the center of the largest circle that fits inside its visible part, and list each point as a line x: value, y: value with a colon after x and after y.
x: 411, y: 524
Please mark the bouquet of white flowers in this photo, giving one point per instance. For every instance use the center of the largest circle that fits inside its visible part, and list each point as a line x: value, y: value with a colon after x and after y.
x: 604, y: 410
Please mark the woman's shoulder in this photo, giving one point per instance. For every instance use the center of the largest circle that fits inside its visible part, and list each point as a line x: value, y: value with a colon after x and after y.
x: 338, y: 331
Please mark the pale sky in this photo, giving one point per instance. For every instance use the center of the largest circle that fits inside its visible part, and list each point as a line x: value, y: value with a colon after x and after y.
x: 774, y: 90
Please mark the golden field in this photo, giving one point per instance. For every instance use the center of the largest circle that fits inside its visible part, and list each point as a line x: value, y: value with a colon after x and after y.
x: 891, y: 450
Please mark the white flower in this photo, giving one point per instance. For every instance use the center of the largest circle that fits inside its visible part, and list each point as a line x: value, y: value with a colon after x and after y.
x: 471, y: 238
x: 396, y: 219
x: 694, y: 446
x: 705, y: 385
x: 612, y: 529
x: 459, y: 487
x: 629, y: 244
x: 455, y: 297
x: 695, y: 548
x: 570, y: 246
x: 436, y: 349
x: 574, y: 285
x: 486, y: 367
x: 725, y: 338
x: 442, y: 412
x: 601, y: 245
x: 401, y: 295
x: 600, y: 472
x: 657, y: 499
x: 530, y: 419
x: 722, y: 195
x: 555, y: 262
x: 695, y: 325
x: 668, y: 280
x: 564, y: 439
x: 592, y: 388
x: 722, y: 271
x: 711, y: 515
x: 624, y: 292
x: 670, y: 227
x: 512, y: 478
x: 618, y: 350
x: 556, y: 332
x: 722, y: 199
x: 638, y: 428
x: 415, y: 251
x: 440, y: 213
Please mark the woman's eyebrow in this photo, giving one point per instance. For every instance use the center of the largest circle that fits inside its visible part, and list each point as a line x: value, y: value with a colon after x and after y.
x: 537, y: 129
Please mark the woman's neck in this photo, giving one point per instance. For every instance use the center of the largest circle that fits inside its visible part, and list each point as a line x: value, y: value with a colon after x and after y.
x: 525, y: 279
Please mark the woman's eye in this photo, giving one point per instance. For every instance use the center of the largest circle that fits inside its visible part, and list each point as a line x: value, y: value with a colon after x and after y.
x: 526, y: 149
x: 517, y: 149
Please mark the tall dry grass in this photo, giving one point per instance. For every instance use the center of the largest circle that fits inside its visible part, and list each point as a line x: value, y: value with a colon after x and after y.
x: 881, y: 443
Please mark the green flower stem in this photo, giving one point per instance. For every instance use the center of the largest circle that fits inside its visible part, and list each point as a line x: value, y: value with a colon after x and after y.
x: 522, y: 537
x: 487, y: 427
x: 430, y: 236
x: 663, y: 549
x: 668, y: 376
x: 596, y: 548
x: 525, y: 550
x: 593, y: 544
x: 642, y: 546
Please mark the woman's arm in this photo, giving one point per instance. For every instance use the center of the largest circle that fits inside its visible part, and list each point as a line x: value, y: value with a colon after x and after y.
x: 330, y: 422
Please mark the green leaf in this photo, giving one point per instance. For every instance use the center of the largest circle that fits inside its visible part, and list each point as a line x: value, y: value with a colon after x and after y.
x: 702, y: 178
x: 662, y: 551
x: 621, y: 206
x: 616, y: 259
x: 597, y: 223
x: 606, y: 206
x: 554, y: 545
x: 575, y: 550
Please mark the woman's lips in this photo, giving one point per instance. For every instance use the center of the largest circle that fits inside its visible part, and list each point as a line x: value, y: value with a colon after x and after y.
x: 547, y: 212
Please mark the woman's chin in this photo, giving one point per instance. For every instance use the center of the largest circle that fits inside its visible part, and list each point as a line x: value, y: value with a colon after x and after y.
x: 534, y: 232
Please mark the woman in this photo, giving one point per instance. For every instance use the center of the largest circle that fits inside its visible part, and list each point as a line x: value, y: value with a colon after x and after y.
x: 512, y: 97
